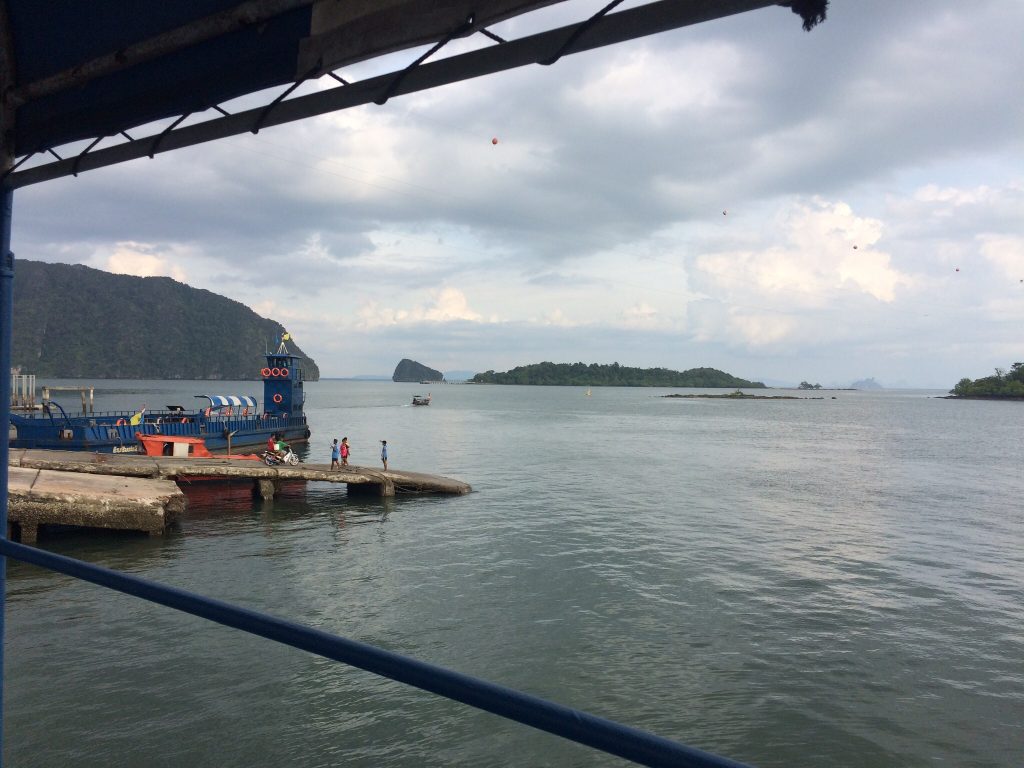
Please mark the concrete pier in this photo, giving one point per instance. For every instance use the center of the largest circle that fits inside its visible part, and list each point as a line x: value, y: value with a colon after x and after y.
x: 48, y: 497
x: 265, y: 479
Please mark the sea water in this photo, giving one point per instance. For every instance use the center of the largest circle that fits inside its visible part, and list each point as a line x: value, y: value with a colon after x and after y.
x: 835, y: 581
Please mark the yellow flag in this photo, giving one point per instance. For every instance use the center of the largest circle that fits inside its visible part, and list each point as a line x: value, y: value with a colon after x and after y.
x: 286, y: 337
x: 137, y: 418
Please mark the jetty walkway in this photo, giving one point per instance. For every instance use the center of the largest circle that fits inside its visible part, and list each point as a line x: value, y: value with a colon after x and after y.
x: 133, y: 492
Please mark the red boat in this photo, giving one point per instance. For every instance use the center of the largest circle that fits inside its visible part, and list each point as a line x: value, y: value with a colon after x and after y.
x: 181, y: 447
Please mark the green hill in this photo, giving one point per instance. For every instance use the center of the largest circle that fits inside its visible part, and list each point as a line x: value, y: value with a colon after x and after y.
x: 76, y: 322
x: 614, y: 375
x: 1003, y: 385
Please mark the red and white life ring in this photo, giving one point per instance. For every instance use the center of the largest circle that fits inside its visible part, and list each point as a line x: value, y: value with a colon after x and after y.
x: 275, y: 372
x: 120, y: 423
x: 265, y: 373
x: 284, y: 373
x: 277, y: 398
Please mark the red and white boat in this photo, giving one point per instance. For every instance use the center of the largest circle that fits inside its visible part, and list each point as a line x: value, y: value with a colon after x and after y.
x: 182, y: 447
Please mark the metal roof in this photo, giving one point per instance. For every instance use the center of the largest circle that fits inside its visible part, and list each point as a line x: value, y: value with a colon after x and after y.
x: 93, y: 71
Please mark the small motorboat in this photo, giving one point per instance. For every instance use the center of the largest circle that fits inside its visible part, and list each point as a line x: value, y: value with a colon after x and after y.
x: 421, y: 400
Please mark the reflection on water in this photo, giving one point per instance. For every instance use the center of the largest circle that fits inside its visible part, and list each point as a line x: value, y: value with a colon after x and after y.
x: 785, y: 582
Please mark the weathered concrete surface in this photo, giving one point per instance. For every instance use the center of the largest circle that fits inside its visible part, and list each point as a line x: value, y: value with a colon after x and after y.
x: 48, y: 497
x: 385, y: 483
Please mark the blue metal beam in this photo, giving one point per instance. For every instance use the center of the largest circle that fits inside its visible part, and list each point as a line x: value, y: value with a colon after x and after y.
x: 6, y: 318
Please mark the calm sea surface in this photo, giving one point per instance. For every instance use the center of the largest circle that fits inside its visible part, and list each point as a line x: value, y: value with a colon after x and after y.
x: 788, y: 583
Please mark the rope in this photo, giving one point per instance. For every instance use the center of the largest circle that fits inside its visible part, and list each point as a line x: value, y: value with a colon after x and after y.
x: 392, y: 87
x: 267, y: 109
x: 578, y: 32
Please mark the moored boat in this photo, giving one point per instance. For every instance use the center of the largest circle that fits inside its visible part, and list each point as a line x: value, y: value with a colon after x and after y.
x: 222, y: 420
x: 183, y: 447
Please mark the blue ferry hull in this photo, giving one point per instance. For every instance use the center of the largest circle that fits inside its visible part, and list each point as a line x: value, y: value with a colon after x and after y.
x: 236, y: 415
x: 103, y: 434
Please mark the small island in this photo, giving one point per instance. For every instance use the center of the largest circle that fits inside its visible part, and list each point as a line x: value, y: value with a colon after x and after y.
x: 614, y: 375
x: 1003, y: 385
x: 738, y: 395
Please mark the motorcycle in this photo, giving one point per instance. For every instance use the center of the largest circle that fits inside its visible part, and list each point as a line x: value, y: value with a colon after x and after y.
x: 272, y: 459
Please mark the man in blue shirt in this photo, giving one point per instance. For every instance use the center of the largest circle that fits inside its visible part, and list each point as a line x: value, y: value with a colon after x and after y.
x: 384, y: 453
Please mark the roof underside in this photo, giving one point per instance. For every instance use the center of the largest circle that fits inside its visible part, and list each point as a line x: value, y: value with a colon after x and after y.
x: 84, y: 71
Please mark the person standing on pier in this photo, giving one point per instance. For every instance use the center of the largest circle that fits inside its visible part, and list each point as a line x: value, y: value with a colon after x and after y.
x: 344, y: 451
x: 335, y: 454
x: 384, y: 453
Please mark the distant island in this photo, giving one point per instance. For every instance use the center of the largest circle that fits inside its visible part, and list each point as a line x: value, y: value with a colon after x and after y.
x: 410, y: 370
x: 72, y: 321
x: 614, y: 375
x: 737, y: 395
x: 1003, y: 385
x: 868, y: 383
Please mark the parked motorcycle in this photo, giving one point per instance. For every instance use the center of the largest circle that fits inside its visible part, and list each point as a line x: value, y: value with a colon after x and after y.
x: 272, y: 459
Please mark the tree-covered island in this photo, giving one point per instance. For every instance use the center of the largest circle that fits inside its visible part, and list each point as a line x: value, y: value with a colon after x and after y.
x: 614, y: 375
x: 1003, y: 385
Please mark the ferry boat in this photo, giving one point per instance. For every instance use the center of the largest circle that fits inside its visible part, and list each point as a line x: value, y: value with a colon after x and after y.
x: 218, y: 420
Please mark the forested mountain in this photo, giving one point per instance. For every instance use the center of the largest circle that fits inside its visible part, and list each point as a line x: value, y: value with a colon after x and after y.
x: 614, y: 375
x: 76, y: 322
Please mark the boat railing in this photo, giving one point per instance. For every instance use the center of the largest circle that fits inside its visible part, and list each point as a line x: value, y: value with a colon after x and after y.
x: 572, y: 724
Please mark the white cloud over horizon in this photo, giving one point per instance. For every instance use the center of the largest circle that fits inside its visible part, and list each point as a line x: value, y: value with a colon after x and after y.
x: 871, y: 173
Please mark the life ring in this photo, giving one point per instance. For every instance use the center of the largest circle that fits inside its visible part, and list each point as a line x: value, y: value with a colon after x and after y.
x: 206, y: 413
x: 275, y: 372
x: 265, y: 373
x: 245, y: 411
x: 277, y: 398
x: 284, y: 373
x: 184, y: 421
x: 227, y: 411
x: 120, y: 423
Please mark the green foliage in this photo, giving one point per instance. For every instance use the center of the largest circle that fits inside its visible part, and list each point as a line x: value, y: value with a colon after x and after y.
x: 808, y: 385
x: 77, y: 322
x: 1003, y: 384
x: 614, y: 375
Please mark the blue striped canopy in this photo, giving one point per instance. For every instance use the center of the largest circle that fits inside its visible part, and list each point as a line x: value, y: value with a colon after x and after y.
x: 217, y: 401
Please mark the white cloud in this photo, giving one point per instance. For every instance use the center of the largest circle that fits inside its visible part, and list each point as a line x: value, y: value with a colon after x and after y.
x: 141, y: 260
x: 449, y: 305
x: 1006, y: 252
x: 828, y: 252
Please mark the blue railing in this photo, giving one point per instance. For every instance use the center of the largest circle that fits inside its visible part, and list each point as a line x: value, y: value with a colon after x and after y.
x: 606, y: 735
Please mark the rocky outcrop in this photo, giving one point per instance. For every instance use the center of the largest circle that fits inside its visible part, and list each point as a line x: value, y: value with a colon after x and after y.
x: 410, y: 370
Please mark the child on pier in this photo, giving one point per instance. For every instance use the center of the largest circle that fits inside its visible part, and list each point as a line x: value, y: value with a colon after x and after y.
x: 335, y: 454
x: 384, y: 453
x: 344, y: 451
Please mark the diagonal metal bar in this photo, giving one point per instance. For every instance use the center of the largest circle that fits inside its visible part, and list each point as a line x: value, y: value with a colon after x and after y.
x: 630, y: 24
x: 573, y: 724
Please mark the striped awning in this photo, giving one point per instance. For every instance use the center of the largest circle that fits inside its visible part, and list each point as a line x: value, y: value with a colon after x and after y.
x: 242, y: 401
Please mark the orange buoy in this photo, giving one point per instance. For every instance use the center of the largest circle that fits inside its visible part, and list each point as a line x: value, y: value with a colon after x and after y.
x: 494, y: 140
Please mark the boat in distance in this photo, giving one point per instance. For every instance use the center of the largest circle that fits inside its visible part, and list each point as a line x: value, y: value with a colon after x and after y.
x: 421, y: 400
x: 221, y: 421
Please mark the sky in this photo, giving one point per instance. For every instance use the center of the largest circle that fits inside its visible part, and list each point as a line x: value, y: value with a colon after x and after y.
x: 782, y: 205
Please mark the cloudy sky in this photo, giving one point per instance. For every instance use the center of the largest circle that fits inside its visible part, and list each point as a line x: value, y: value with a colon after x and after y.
x: 782, y: 205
